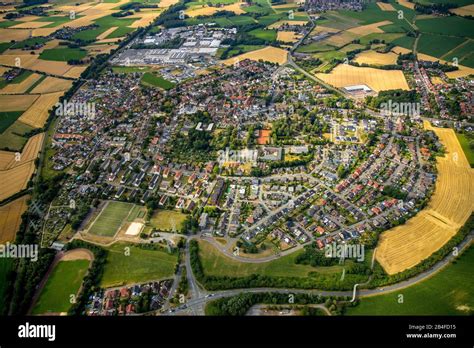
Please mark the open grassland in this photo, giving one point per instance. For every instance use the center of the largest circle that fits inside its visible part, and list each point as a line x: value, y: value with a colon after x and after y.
x: 137, y: 266
x: 167, y: 220
x: 449, y: 292
x: 217, y: 264
x: 64, y: 281
x: 10, y: 218
x: 157, y: 81
x: 268, y: 54
x: 375, y: 58
x: 449, y: 208
x: 468, y: 151
x: 110, y: 219
x: 7, y: 118
x: 63, y: 54
x: 379, y: 80
x: 17, y: 173
x: 13, y: 138
x: 38, y: 112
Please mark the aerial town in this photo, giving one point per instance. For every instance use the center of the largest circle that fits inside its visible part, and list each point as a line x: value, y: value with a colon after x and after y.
x: 176, y: 158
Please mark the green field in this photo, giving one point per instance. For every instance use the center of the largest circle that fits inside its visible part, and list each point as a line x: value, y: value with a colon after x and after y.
x: 215, y: 263
x: 464, y: 53
x: 449, y: 292
x: 63, y: 54
x: 140, y: 265
x: 449, y: 26
x: 110, y: 219
x: 157, y: 81
x: 5, y: 267
x: 167, y: 220
x: 464, y: 141
x: 64, y: 281
x: 129, y: 69
x: 7, y: 118
x: 12, y: 137
x: 437, y: 45
x: 264, y: 34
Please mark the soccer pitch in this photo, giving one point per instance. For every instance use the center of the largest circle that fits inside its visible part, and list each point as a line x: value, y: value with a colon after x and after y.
x: 110, y: 219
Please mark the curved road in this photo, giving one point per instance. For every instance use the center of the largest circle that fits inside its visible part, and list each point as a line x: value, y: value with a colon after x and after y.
x: 204, y: 296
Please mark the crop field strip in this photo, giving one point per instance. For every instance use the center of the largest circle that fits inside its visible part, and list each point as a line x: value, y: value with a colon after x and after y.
x: 449, y: 208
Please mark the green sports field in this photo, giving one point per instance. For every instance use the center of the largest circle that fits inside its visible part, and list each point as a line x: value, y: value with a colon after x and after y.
x: 64, y: 281
x: 110, y: 219
x: 140, y: 265
x: 450, y: 292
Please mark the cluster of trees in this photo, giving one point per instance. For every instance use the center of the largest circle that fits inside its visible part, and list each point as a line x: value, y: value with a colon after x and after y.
x: 170, y: 18
x: 240, y: 304
x: 394, y: 192
x: 434, y: 8
x: 314, y: 257
x: 395, y: 96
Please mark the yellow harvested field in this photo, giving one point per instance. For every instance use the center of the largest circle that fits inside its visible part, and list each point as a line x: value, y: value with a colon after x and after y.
x: 461, y: 72
x: 100, y: 49
x: 407, y: 4
x: 30, y: 25
x: 10, y: 218
x: 17, y: 102
x: 464, y: 11
x: 43, y: 31
x: 385, y: 7
x: 400, y: 50
x: 38, y: 113
x: 278, y: 24
x: 52, y: 84
x: 144, y: 18
x: 167, y: 3
x: 322, y: 29
x: 345, y: 75
x: 437, y: 80
x: 376, y: 58
x: 340, y: 39
x: 7, y: 159
x: 112, y: 40
x: 7, y: 35
x: 75, y: 71
x: 16, y: 177
x: 288, y: 36
x: 106, y: 33
x: 268, y: 54
x: 3, y: 70
x: 450, y: 206
x: 208, y: 10
x: 16, y: 60
x: 369, y: 29
x: 49, y: 66
x: 76, y: 8
x: 17, y: 88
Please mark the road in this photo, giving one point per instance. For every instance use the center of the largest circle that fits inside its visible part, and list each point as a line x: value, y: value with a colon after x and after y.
x: 204, y: 296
